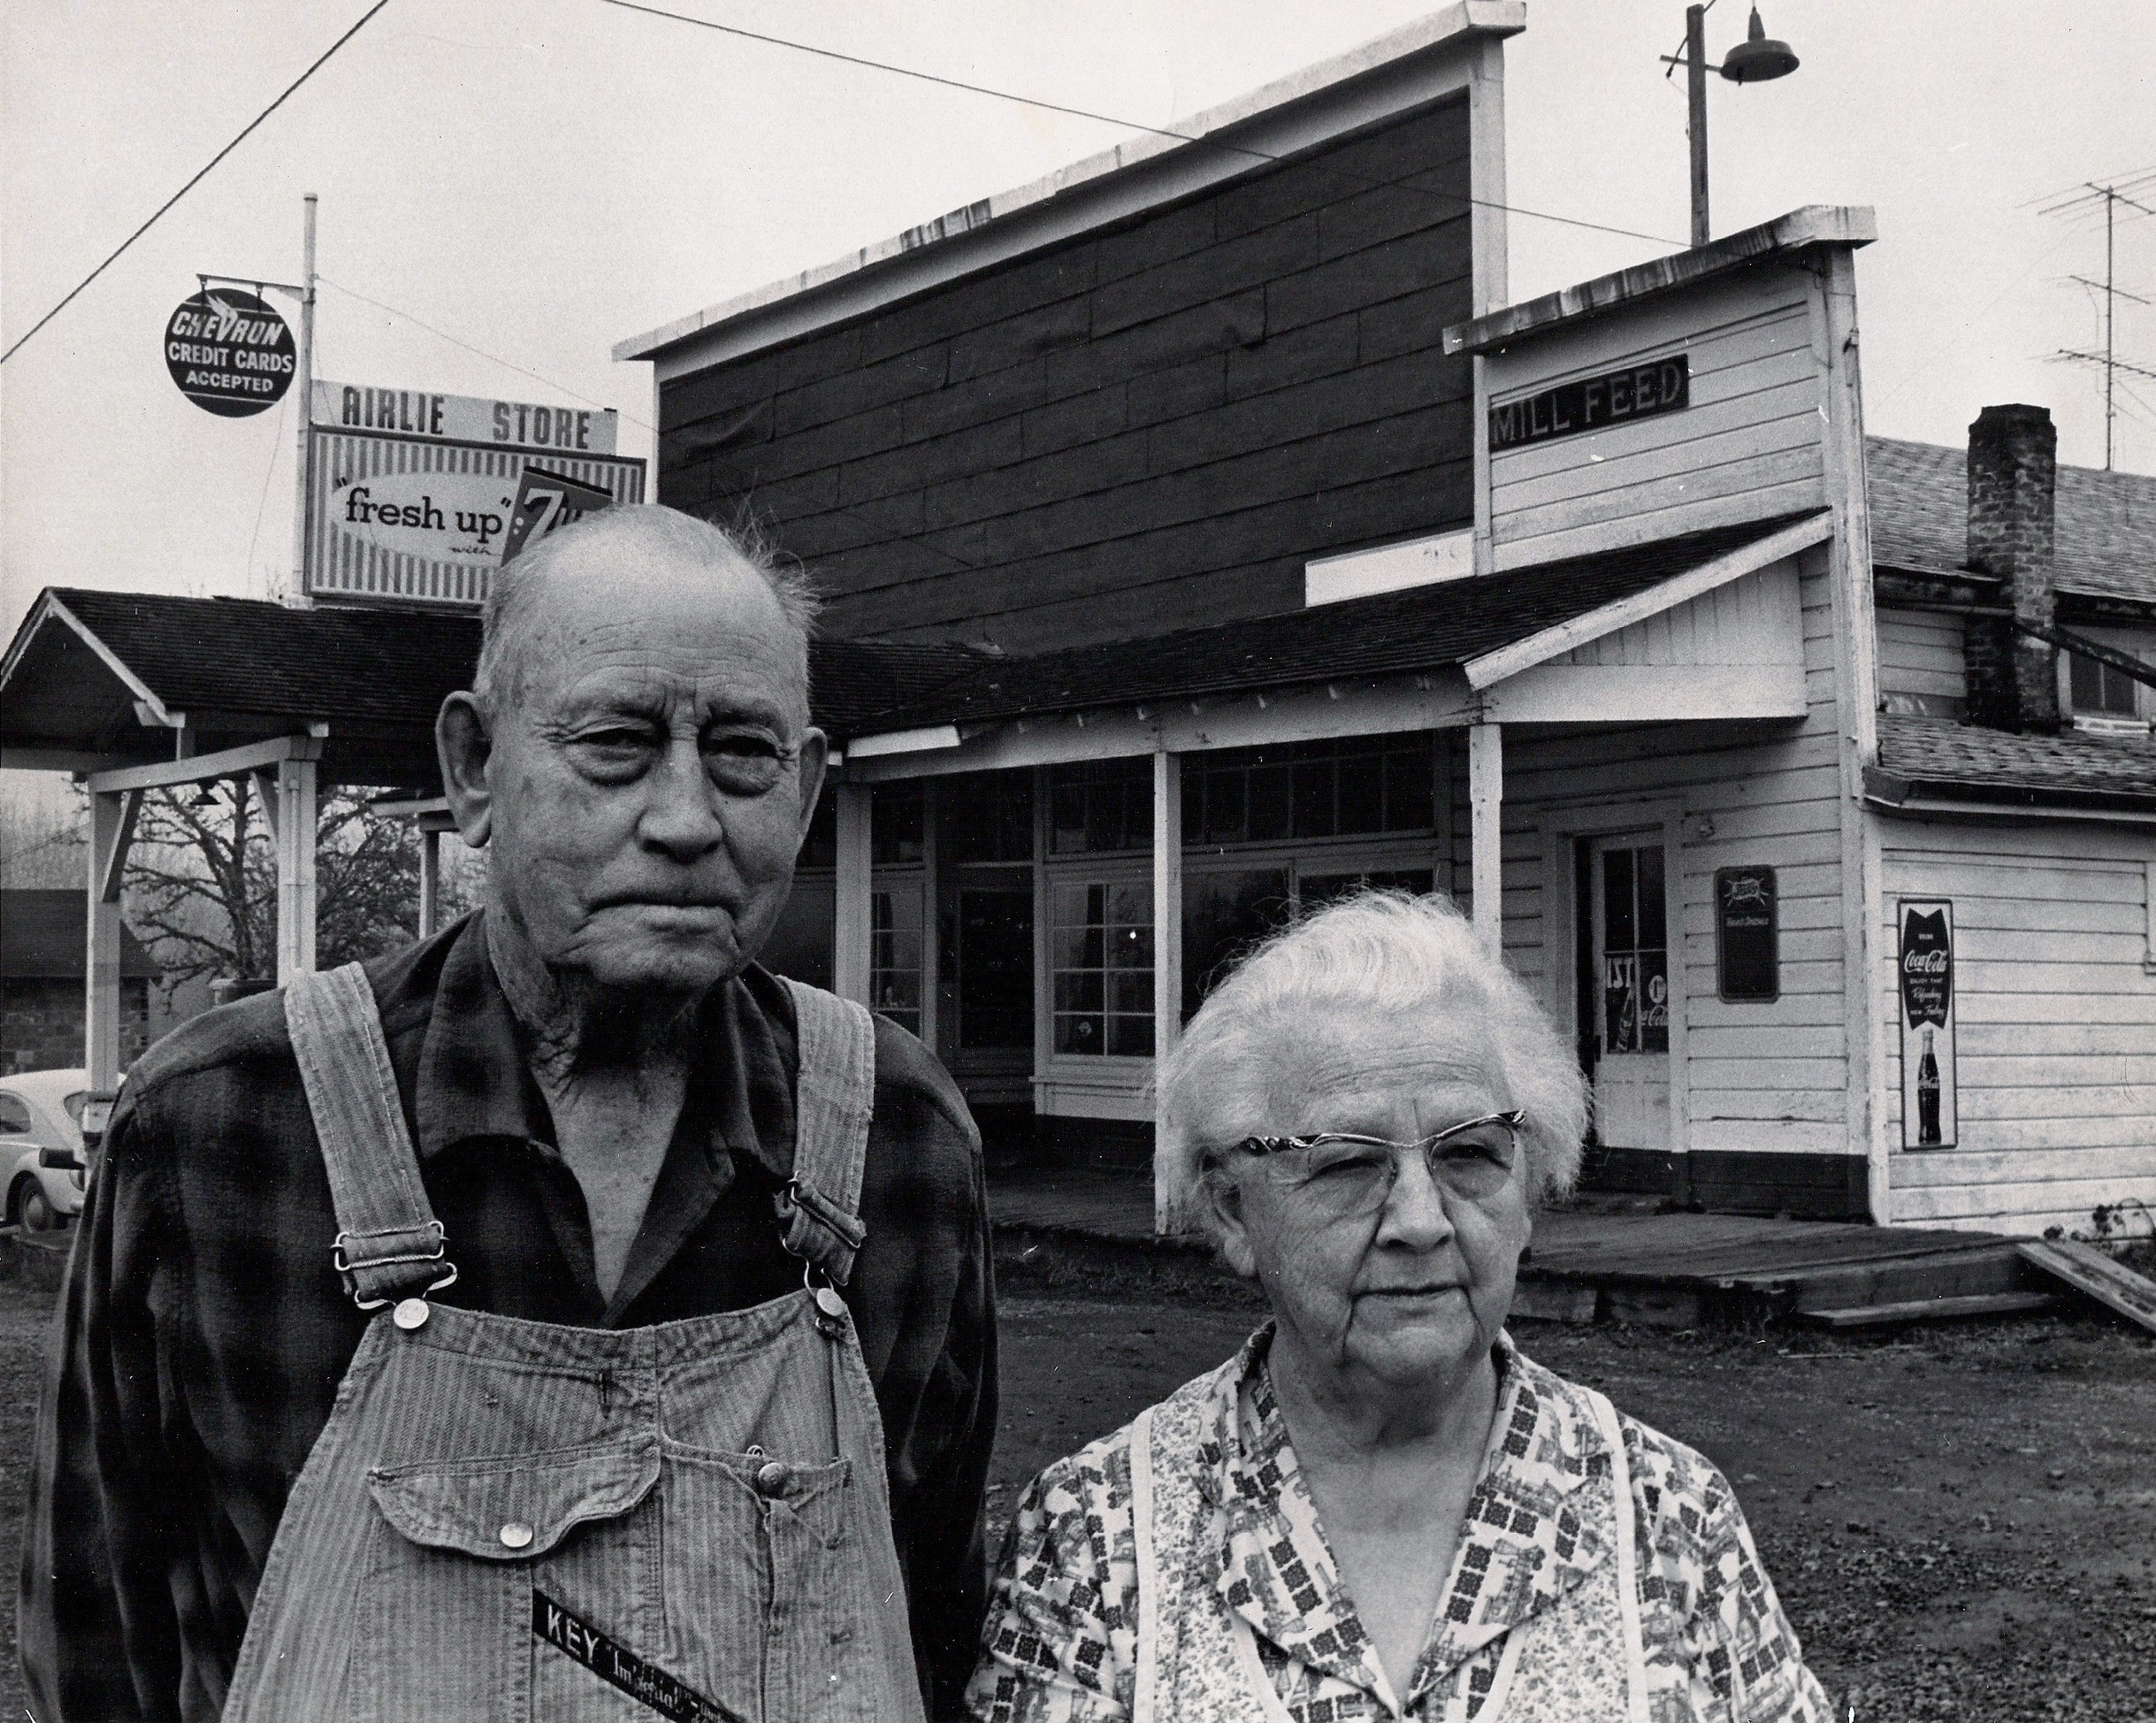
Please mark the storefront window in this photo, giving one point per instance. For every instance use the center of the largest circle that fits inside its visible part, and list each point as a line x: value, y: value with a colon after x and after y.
x: 1354, y: 787
x: 895, y: 812
x: 995, y: 967
x: 1103, y: 945
x: 894, y: 955
x: 1224, y: 915
x: 985, y: 817
x: 1102, y: 808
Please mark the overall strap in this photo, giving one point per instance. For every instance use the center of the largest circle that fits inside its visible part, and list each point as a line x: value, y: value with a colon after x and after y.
x: 389, y: 1246
x: 834, y: 1096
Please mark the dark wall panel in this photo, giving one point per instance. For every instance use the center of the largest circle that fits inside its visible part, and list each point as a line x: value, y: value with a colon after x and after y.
x: 1144, y: 429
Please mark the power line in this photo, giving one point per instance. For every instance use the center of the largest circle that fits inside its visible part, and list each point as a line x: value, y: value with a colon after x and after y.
x: 491, y: 358
x: 1126, y: 125
x: 197, y: 181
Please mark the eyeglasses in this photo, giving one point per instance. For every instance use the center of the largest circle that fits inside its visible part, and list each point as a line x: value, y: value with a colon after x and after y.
x: 1344, y: 1175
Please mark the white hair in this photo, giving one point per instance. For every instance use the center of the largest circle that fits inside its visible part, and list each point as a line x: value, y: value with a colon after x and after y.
x: 1378, y: 955
x: 649, y: 529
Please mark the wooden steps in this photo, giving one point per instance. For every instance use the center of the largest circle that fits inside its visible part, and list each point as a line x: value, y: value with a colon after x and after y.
x: 1928, y: 1310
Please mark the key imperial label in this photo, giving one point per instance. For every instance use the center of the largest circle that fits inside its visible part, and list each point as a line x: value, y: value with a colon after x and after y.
x: 620, y: 1667
x: 1594, y: 404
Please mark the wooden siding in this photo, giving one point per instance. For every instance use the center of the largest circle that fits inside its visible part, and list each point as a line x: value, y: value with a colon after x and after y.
x: 2055, y: 1039
x: 1757, y: 1078
x: 1153, y: 426
x: 1921, y: 665
x: 1753, y: 621
x: 1748, y: 447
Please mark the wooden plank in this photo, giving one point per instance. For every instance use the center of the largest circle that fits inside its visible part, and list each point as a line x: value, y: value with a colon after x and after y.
x: 1980, y: 1167
x: 1929, y: 1310
x: 1552, y: 535
x: 2087, y: 1270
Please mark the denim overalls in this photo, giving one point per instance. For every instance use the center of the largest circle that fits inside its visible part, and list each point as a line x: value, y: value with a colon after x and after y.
x: 510, y: 1520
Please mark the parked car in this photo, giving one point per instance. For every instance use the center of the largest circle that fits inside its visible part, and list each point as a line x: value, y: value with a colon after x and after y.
x: 41, y: 1154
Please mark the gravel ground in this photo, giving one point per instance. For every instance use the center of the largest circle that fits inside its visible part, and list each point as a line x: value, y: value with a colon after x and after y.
x: 1961, y: 1522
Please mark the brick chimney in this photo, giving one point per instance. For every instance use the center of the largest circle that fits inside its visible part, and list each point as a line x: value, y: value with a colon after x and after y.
x: 2012, y: 476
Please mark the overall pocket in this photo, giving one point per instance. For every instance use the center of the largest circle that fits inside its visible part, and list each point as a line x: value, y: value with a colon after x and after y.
x: 449, y: 1622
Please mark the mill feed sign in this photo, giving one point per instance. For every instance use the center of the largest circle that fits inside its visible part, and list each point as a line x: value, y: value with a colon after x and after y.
x: 409, y: 519
x: 229, y: 352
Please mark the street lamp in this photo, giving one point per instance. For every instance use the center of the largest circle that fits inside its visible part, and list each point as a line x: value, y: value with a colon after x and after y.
x: 1755, y: 60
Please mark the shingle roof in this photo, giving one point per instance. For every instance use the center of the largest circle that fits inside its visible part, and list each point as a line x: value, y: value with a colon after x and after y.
x: 2106, y: 546
x: 1389, y: 634
x: 1937, y: 759
x: 44, y: 936
x: 389, y: 670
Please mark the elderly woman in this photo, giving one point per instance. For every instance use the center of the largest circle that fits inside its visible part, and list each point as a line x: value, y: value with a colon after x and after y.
x: 1380, y: 1508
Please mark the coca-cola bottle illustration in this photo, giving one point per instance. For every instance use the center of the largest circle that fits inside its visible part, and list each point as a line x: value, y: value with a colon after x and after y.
x: 1928, y: 1095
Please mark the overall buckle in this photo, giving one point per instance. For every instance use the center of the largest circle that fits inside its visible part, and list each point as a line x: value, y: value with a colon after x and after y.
x: 348, y: 1268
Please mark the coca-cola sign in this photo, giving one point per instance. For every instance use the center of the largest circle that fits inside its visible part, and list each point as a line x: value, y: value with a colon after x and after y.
x: 1927, y: 966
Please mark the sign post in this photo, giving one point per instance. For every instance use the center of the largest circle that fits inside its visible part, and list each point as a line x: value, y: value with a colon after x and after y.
x: 297, y: 596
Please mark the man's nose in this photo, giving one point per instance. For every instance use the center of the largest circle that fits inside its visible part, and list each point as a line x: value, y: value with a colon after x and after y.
x: 1415, y: 1215
x: 681, y: 811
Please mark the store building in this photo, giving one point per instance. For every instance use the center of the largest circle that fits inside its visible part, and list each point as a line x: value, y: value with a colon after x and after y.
x: 1287, y: 555
x: 1204, y: 534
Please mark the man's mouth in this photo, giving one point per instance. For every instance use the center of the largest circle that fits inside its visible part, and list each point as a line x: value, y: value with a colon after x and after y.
x: 1409, y: 1292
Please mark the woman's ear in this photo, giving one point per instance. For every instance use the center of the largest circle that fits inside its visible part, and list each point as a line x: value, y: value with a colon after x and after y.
x: 1222, y: 1194
x: 462, y: 747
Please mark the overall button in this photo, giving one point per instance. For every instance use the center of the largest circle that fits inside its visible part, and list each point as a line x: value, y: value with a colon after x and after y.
x: 410, y: 1314
x: 772, y: 1478
x: 517, y: 1535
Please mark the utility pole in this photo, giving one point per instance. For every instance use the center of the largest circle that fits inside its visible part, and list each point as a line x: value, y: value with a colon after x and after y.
x: 2113, y: 292
x: 298, y: 596
x: 1695, y: 122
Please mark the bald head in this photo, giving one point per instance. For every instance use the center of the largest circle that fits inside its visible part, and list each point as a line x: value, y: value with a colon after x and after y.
x: 633, y: 544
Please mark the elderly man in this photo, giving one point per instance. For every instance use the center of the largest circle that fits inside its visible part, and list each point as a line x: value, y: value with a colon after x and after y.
x: 564, y: 1318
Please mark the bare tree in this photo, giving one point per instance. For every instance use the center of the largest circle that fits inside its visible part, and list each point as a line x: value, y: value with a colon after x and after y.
x: 201, y: 882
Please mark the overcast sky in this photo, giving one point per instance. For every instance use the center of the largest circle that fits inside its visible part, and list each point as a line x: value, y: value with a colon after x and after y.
x: 539, y: 178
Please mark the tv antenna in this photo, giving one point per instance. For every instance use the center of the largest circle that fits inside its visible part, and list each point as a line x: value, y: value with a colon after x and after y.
x: 2081, y: 199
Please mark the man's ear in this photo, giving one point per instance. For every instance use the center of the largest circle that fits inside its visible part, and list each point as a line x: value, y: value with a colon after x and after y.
x: 463, y: 746
x: 1218, y: 1191
x: 815, y: 761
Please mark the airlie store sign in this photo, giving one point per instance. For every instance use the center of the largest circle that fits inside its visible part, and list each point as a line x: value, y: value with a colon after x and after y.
x: 1594, y: 404
x: 416, y: 498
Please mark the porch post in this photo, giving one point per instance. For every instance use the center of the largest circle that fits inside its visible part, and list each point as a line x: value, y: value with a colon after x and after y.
x: 112, y: 816
x: 1486, y: 783
x: 430, y: 881
x: 1168, y: 945
x: 295, y: 830
x: 852, y: 919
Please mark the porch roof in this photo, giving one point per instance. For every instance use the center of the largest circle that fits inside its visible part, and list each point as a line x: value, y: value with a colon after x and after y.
x: 1422, y: 629
x: 97, y: 679
x: 1930, y: 761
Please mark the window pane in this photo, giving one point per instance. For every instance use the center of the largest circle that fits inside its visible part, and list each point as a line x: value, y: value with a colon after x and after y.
x: 1224, y: 806
x: 1653, y: 1001
x: 1079, y: 989
x: 1131, y: 1038
x: 1313, y: 799
x: 1653, y: 905
x: 1078, y: 947
x: 1069, y: 818
x: 1362, y: 795
x: 1223, y: 915
x: 2084, y: 683
x: 1078, y: 1034
x: 894, y: 822
x: 1130, y: 904
x: 1619, y: 930
x: 996, y: 967
x: 1130, y: 948
x: 1269, y: 813
x: 1410, y: 800
x: 1131, y: 992
x: 2118, y: 692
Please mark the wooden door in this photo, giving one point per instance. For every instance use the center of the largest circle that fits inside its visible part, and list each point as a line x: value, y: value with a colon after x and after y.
x: 1630, y: 920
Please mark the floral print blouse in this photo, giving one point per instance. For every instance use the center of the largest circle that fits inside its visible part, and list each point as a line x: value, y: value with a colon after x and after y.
x: 1059, y: 1644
